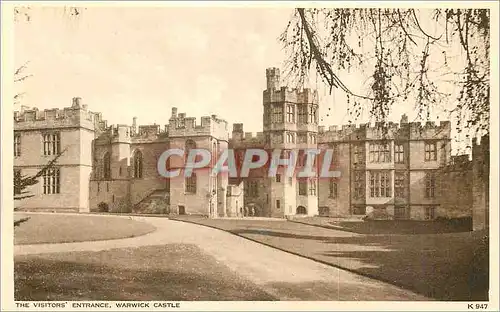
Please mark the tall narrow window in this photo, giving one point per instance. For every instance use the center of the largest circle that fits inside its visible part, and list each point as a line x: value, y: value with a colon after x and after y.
x: 399, y: 155
x: 358, y: 185
x: 52, y: 181
x: 312, y: 187
x: 17, y: 182
x: 399, y: 184
x: 312, y: 139
x: 189, y: 145
x: 51, y: 143
x: 290, y: 113
x: 106, y: 166
x: 191, y: 184
x: 17, y: 145
x: 138, y: 164
x: 430, y: 185
x: 278, y: 204
x: 277, y: 113
x: 302, y: 114
x: 312, y: 115
x: 430, y: 151
x: 302, y: 187
x: 357, y: 154
x: 333, y: 188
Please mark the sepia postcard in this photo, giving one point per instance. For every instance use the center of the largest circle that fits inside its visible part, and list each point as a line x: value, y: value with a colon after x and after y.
x: 250, y: 156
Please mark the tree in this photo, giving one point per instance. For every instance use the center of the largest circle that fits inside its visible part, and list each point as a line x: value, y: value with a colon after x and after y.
x: 407, y: 53
x: 22, y: 182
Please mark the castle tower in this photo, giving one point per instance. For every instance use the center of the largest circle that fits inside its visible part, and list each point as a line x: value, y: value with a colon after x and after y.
x: 290, y: 124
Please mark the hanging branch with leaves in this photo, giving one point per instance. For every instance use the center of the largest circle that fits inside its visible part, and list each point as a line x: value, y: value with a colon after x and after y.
x: 407, y: 61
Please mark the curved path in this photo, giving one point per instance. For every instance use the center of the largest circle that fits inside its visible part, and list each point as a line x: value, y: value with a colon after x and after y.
x: 283, y: 275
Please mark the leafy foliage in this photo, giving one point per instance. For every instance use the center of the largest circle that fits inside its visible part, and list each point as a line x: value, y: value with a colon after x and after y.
x: 22, y: 182
x: 405, y: 60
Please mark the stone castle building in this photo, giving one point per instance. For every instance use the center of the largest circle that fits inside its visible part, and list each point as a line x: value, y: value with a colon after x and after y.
x: 394, y: 169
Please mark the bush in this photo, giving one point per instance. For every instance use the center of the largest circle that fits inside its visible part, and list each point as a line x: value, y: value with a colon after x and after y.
x: 103, y: 207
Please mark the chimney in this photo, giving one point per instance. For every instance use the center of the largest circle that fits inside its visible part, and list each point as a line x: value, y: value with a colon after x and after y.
x: 174, y: 112
x: 134, y: 125
x: 76, y: 102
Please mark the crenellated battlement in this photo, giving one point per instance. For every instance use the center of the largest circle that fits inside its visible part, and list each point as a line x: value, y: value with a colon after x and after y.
x: 376, y: 131
x: 180, y: 125
x: 77, y: 115
x: 284, y: 94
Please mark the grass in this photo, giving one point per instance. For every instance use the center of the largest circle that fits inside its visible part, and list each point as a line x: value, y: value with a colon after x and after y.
x: 54, y: 228
x: 154, y: 273
x: 452, y: 266
x: 392, y: 226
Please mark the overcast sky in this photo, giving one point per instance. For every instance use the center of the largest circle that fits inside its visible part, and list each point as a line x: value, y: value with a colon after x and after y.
x: 127, y: 62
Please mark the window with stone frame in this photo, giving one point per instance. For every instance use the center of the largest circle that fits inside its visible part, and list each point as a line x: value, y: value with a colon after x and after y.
x: 380, y: 184
x: 400, y: 184
x: 51, y: 143
x: 106, y: 166
x: 191, y: 184
x: 399, y: 153
x: 359, y: 185
x: 52, y: 181
x: 17, y: 177
x: 277, y: 113
x: 302, y: 186
x: 302, y: 114
x: 290, y: 113
x: 380, y: 152
x: 430, y: 184
x: 333, y: 188
x: 312, y: 138
x: 358, y: 154
x: 137, y: 164
x: 430, y: 213
x: 312, y: 114
x: 17, y: 145
x: 312, y: 186
x: 430, y: 151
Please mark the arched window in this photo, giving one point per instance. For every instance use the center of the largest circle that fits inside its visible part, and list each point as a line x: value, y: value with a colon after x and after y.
x: 301, y: 210
x: 137, y: 163
x: 106, y: 166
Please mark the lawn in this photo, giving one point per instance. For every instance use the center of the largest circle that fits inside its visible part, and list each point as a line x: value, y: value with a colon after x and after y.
x: 452, y: 266
x: 391, y: 226
x: 59, y: 228
x: 154, y: 273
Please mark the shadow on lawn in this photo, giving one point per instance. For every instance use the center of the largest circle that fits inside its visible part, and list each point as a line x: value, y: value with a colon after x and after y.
x: 406, y: 226
x: 44, y: 279
x: 451, y: 266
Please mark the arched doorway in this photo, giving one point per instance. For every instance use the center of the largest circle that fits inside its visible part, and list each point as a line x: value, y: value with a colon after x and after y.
x: 252, y: 210
x: 301, y: 210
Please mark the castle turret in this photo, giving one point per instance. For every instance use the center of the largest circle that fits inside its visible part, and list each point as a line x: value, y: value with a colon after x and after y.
x: 273, y: 78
